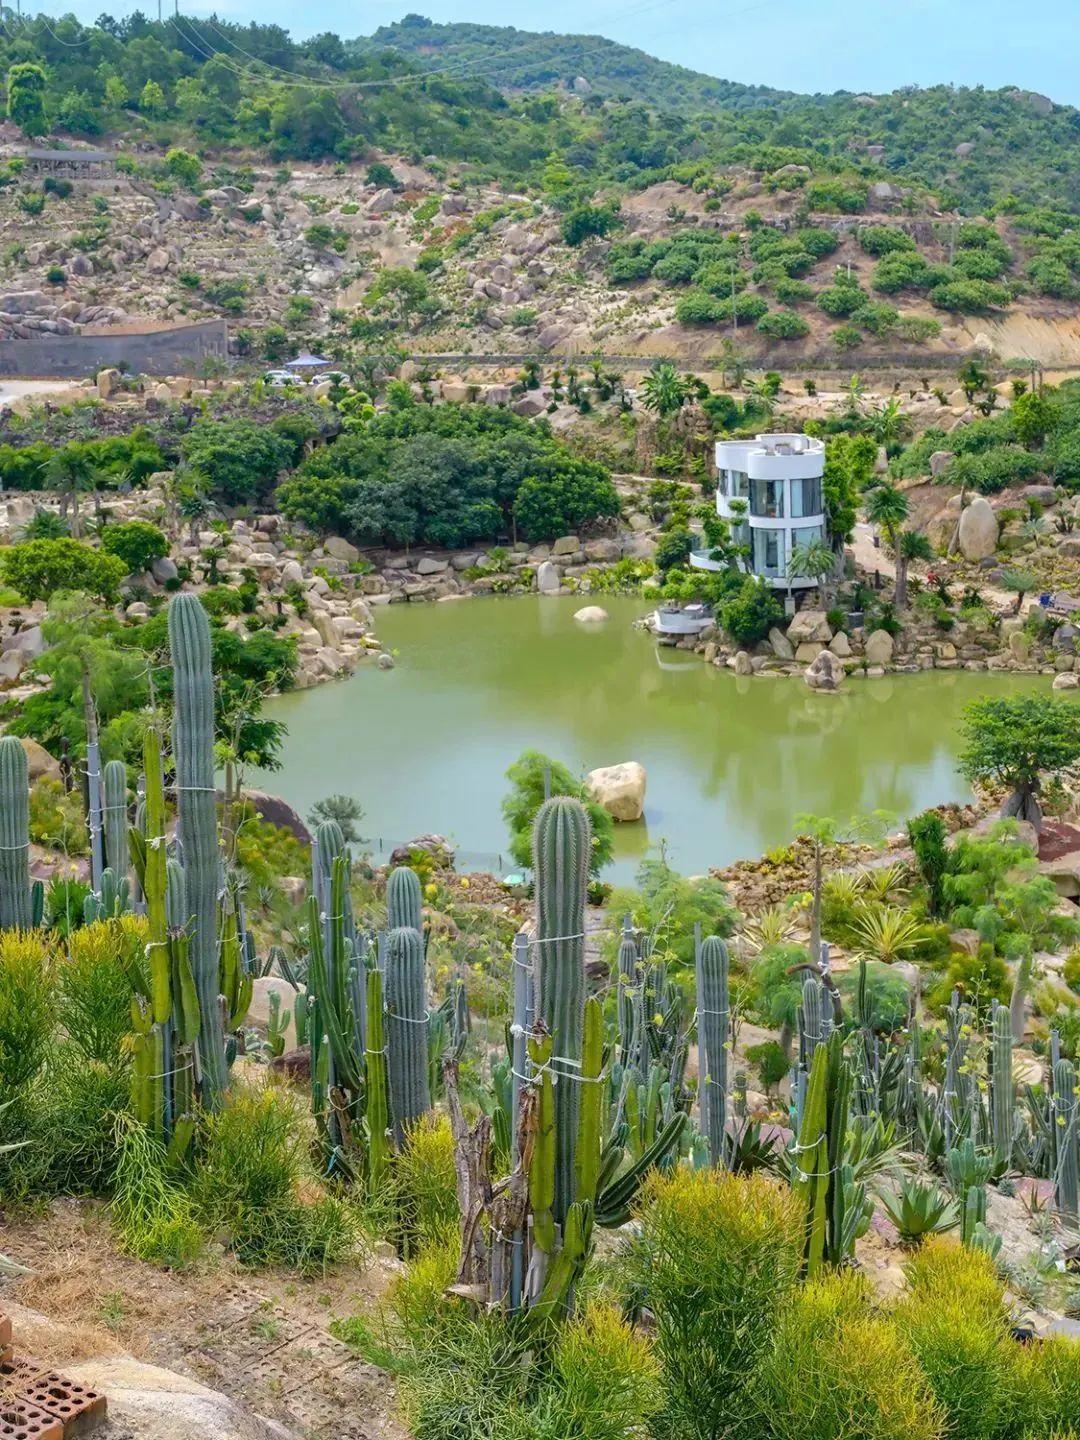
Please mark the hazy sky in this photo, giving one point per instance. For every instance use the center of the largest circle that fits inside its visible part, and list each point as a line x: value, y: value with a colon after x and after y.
x: 805, y: 45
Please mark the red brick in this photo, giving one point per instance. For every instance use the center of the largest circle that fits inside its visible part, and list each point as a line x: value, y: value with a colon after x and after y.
x: 19, y: 1420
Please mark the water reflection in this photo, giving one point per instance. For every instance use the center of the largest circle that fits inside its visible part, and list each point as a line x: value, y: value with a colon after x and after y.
x: 731, y: 759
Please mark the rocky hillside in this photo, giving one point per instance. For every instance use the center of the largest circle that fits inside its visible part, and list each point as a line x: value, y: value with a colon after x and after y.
x: 323, y: 257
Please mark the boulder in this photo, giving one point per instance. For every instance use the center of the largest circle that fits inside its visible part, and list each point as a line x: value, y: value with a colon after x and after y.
x: 620, y: 789
x: 548, y: 579
x: 108, y: 382
x: 292, y: 573
x: 879, y: 647
x: 1019, y: 643
x: 840, y: 645
x: 591, y: 614
x: 808, y: 651
x: 566, y: 545
x: 429, y: 565
x: 826, y: 672
x: 157, y: 1404
x: 437, y: 847
x: 940, y: 461
x: 1066, y: 681
x: 742, y: 664
x: 39, y: 763
x: 978, y: 530
x: 258, y: 1015
x: 809, y: 625
x: 163, y: 569
x: 385, y: 661
x: 782, y: 646
x: 276, y: 811
x: 340, y: 549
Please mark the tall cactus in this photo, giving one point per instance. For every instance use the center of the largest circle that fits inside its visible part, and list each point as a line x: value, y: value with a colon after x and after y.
x: 403, y: 900
x: 1003, y: 1090
x: 193, y: 754
x: 1066, y: 1113
x: 406, y: 1029
x: 562, y: 840
x: 117, y: 857
x: 713, y: 1030
x: 15, y: 891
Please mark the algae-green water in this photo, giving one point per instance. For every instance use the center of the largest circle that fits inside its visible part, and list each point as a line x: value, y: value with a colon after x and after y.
x: 731, y: 760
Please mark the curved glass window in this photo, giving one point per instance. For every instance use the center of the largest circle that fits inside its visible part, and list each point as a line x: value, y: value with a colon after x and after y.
x: 806, y: 498
x: 767, y: 499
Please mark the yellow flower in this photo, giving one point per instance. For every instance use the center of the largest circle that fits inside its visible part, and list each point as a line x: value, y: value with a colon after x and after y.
x: 464, y: 882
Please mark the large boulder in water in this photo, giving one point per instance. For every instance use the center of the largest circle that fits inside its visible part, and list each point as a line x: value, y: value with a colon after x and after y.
x: 620, y: 789
x: 826, y: 673
x: 276, y: 811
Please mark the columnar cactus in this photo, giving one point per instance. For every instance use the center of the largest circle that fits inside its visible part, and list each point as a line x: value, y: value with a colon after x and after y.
x: 562, y: 840
x: 812, y: 1023
x: 117, y: 858
x: 628, y: 977
x: 193, y: 754
x: 1066, y: 1113
x: 713, y: 1031
x: 406, y: 1029
x: 403, y: 900
x: 1003, y: 1090
x: 15, y: 892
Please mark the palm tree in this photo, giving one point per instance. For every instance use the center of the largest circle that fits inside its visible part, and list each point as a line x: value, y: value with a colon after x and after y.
x: 1019, y: 580
x: 817, y: 561
x: 856, y: 390
x: 664, y: 391
x: 887, y: 507
x: 889, y: 423
x: 762, y: 393
x: 71, y: 471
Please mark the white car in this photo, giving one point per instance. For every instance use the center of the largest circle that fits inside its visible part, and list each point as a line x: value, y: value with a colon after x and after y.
x: 332, y: 377
x: 280, y: 379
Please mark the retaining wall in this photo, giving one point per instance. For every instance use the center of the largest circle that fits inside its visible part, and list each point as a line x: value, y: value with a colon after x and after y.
x: 177, y: 351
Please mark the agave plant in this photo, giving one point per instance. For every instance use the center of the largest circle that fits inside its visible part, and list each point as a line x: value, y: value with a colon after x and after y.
x: 774, y: 926
x: 919, y: 1209
x: 842, y: 890
x: 885, y: 932
x: 887, y: 884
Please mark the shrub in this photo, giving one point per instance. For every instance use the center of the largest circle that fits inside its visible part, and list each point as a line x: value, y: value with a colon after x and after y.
x: 846, y: 337
x: 519, y: 807
x: 183, y: 166
x: 750, y: 614
x: 969, y: 297
x: 239, y: 459
x: 38, y: 568
x: 136, y: 542
x: 425, y: 1184
x: 718, y: 1256
x: 27, y: 1007
x: 248, y: 1185
x: 1050, y: 1371
x: 672, y: 549
x: 153, y: 1215
x: 791, y: 292
x: 56, y: 275
x: 839, y: 1370
x: 783, y: 325
x: 56, y: 818
x: 604, y: 1383
x: 94, y: 1004
x: 878, y: 240
x: 967, y: 1353
x: 698, y: 307
x: 587, y: 221
x: 841, y: 300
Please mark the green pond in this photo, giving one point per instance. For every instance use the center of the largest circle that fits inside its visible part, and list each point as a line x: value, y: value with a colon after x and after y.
x: 731, y: 760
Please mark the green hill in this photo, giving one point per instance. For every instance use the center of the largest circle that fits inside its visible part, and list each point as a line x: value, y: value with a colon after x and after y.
x: 513, y: 59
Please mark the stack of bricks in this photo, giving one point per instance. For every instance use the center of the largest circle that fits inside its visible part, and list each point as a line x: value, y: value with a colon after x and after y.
x: 36, y: 1403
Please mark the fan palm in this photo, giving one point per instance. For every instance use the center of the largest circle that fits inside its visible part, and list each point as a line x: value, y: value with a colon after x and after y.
x: 817, y: 561
x: 664, y: 390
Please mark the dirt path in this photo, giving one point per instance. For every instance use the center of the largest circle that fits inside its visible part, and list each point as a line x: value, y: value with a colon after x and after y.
x: 262, y: 1339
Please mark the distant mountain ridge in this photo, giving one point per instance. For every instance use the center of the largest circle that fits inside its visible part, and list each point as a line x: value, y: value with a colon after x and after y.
x: 513, y: 59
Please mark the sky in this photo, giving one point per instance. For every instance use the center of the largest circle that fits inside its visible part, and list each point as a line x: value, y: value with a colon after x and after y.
x: 805, y: 45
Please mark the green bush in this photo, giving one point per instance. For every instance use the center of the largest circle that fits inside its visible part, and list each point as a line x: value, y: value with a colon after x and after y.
x: 27, y: 1007
x: 841, y: 300
x: 94, y: 988
x: 878, y: 240
x: 136, y: 542
x: 751, y: 613
x: 238, y: 459
x: 424, y: 1185
x: 782, y: 325
x: 586, y: 222
x: 519, y: 807
x: 961, y: 1336
x: 718, y: 1256
x: 969, y: 297
x: 38, y: 568
x: 840, y: 1371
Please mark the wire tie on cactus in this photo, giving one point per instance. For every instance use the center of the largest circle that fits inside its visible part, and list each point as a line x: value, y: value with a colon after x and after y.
x: 497, y: 1234
x: 24, y: 846
x: 164, y: 1074
x: 557, y: 939
x: 410, y: 1019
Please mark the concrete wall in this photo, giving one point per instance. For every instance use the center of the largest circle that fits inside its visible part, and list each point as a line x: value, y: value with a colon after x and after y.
x: 179, y: 351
